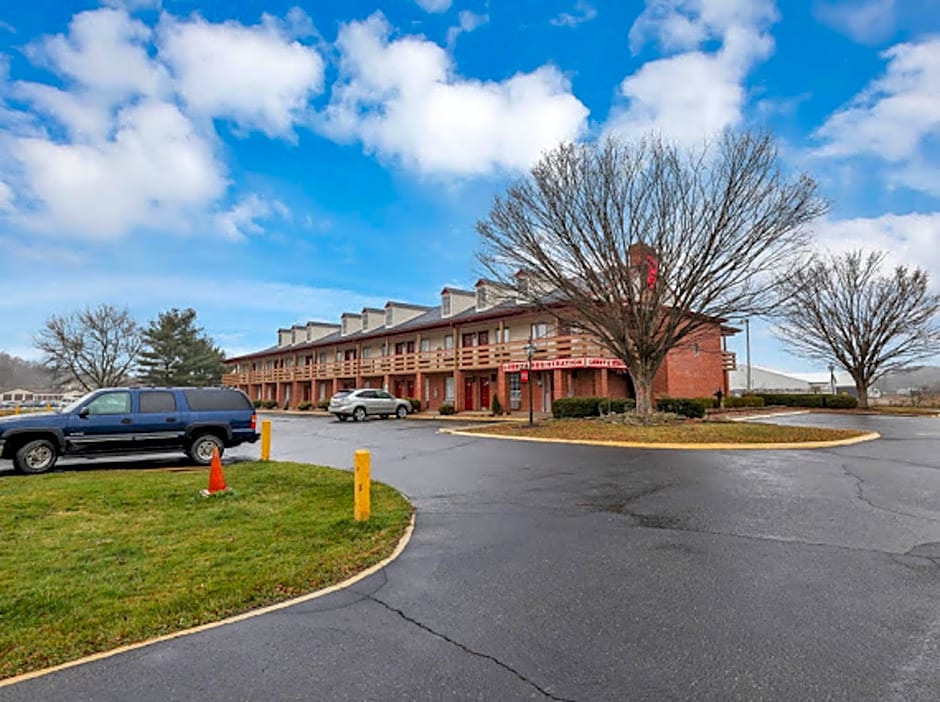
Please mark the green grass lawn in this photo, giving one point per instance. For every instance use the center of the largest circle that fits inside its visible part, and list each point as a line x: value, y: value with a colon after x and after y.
x: 94, y: 560
x: 688, y: 432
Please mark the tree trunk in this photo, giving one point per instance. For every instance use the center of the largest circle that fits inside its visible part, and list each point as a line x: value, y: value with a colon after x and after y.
x: 643, y: 385
x: 861, y: 387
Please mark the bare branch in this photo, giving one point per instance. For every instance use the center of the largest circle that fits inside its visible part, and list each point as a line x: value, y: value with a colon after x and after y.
x: 843, y: 309
x: 593, y: 220
x: 95, y: 347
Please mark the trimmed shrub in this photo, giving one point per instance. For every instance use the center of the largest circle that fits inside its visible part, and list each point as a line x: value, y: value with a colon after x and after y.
x: 707, y: 402
x: 323, y: 404
x: 841, y: 402
x: 304, y: 406
x: 616, y: 406
x: 415, y: 404
x: 446, y: 409
x: 685, y: 406
x: 496, y: 407
x: 744, y: 401
x: 269, y: 404
x: 565, y: 407
x: 258, y: 403
x: 809, y: 400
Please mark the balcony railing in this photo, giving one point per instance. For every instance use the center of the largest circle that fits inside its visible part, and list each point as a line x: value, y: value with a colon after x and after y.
x: 729, y: 361
x: 488, y: 356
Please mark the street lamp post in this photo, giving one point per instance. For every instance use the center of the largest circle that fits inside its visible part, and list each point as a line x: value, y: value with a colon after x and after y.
x: 747, y: 341
x: 529, y: 353
x: 832, y: 378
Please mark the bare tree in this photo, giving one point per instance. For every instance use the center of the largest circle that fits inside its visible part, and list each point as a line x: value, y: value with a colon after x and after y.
x: 95, y: 347
x: 645, y: 245
x: 842, y: 308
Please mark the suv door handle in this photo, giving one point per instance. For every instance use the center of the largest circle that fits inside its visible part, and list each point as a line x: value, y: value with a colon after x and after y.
x: 171, y: 419
x: 126, y: 420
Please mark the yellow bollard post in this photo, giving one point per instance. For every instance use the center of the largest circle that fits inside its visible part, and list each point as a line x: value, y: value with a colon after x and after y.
x: 48, y: 407
x: 362, y: 484
x: 17, y: 411
x: 266, y: 440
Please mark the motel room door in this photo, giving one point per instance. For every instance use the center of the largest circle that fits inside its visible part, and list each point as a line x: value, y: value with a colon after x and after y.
x: 546, y: 378
x: 468, y: 388
x: 484, y: 393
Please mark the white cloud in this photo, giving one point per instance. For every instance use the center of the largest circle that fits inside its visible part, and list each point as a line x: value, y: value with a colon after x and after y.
x: 895, y: 119
x: 122, y: 142
x: 152, y: 173
x: 694, y: 94
x: 909, y: 239
x: 255, y: 76
x: 403, y: 100
x: 583, y: 12
x: 468, y: 22
x: 105, y: 52
x: 434, y: 5
x: 864, y: 21
x: 242, y: 219
x: 134, y: 5
x: 6, y: 197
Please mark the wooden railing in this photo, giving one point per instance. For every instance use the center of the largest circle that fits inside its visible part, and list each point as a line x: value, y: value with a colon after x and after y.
x: 729, y: 361
x: 439, y: 361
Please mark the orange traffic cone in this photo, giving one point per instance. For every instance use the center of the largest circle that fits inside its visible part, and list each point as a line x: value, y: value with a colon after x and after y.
x: 216, y: 478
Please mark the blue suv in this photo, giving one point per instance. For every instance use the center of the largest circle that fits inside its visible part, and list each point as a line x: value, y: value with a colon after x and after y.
x: 120, y: 421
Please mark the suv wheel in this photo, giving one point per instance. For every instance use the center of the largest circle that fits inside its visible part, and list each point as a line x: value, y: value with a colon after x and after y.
x: 36, y: 456
x: 359, y: 414
x: 200, y: 450
x: 401, y: 412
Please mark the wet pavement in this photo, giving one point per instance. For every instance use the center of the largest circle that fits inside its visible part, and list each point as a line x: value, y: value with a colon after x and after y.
x: 587, y: 573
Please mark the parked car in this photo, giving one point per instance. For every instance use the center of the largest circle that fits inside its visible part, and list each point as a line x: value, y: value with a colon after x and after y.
x: 119, y: 421
x: 367, y: 402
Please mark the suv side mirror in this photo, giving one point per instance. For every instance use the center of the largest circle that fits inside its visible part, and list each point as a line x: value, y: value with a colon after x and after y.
x: 83, y: 412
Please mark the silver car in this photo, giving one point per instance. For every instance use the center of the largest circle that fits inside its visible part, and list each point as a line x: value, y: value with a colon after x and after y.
x: 367, y: 402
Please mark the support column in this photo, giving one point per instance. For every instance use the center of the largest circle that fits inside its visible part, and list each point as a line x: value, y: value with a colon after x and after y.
x: 502, y: 388
x: 458, y: 390
x: 558, y: 390
x: 279, y: 394
x: 387, y: 384
x: 605, y: 388
x: 419, y: 388
x: 335, y: 385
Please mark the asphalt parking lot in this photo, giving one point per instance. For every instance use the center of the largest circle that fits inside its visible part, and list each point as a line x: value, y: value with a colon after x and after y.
x: 586, y: 573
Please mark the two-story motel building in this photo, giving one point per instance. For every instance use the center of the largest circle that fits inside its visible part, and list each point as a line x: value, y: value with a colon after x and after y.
x: 462, y: 352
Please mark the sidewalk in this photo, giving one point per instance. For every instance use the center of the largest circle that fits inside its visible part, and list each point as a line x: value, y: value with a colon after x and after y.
x: 423, y: 415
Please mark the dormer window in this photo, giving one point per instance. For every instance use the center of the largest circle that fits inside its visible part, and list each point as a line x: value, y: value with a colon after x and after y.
x: 389, y: 317
x: 365, y: 321
x: 345, y: 326
x: 481, y: 297
x: 445, y: 306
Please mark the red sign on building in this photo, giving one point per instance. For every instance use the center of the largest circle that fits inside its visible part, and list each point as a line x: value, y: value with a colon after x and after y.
x: 525, y: 375
x: 560, y: 363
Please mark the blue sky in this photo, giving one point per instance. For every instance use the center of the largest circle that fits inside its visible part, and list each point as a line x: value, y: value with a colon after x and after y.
x: 272, y: 162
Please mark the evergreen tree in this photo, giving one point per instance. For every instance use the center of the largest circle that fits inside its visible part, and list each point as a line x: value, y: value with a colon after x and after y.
x: 178, y: 353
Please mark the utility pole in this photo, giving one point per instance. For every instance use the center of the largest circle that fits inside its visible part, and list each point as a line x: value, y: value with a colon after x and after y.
x: 747, y: 342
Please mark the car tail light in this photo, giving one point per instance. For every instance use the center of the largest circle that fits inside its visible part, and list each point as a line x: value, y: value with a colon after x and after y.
x: 254, y: 422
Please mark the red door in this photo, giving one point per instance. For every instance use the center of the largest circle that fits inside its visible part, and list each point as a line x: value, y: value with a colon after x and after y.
x: 468, y: 394
x: 483, y: 338
x: 410, y: 387
x: 484, y: 393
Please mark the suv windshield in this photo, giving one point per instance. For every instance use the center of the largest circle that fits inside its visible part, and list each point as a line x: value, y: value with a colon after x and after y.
x: 341, y: 394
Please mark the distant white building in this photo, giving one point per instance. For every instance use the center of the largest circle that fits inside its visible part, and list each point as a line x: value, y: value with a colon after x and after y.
x: 769, y: 380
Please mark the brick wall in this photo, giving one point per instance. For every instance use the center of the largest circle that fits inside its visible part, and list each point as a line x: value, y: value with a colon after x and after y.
x: 693, y: 369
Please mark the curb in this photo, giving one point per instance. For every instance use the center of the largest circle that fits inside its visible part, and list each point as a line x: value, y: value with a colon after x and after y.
x: 399, y: 548
x: 673, y: 446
